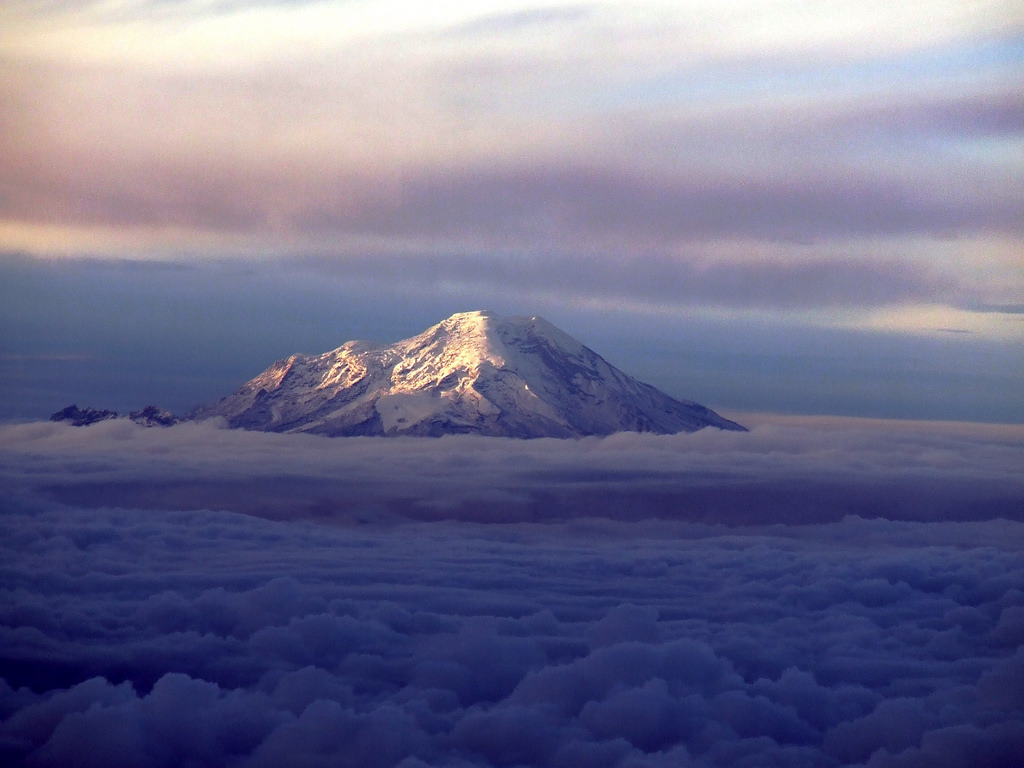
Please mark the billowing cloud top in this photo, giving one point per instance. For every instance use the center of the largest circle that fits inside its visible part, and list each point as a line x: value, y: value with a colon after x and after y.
x: 703, y: 601
x: 779, y: 473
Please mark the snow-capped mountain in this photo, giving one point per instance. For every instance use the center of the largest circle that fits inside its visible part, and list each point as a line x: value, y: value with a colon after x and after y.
x: 474, y: 372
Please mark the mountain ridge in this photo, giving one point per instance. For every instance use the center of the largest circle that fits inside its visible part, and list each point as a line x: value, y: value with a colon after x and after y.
x: 474, y: 372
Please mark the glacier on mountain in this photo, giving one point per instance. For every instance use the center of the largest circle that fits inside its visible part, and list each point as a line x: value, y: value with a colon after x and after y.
x: 474, y: 372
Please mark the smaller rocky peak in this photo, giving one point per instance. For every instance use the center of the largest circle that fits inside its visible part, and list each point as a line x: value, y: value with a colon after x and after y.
x: 83, y: 417
x: 153, y: 416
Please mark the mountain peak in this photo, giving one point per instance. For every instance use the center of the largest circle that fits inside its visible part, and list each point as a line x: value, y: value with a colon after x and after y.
x: 472, y: 372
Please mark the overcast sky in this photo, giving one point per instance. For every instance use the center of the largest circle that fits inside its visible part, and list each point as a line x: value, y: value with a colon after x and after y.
x: 760, y: 205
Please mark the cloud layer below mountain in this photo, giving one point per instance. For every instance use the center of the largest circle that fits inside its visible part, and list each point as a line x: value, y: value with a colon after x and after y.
x: 632, y: 601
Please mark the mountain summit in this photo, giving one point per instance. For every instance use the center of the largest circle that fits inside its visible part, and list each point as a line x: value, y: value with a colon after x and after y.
x: 474, y: 372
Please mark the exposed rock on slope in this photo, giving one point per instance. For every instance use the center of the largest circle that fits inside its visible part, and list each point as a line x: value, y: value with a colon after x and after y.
x: 150, y: 416
x: 83, y: 417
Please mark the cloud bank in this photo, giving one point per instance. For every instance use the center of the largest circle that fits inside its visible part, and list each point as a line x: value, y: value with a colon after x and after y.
x: 162, y: 630
x: 818, y: 471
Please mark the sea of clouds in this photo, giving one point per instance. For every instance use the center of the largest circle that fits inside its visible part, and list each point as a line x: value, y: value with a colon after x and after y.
x: 806, y: 594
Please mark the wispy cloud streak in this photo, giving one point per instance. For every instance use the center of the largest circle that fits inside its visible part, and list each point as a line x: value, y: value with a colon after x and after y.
x: 490, y: 125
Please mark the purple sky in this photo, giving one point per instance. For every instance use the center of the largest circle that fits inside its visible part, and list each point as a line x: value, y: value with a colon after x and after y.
x: 773, y: 167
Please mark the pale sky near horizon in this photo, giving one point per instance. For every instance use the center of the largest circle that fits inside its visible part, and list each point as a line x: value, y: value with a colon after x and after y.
x: 767, y: 205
